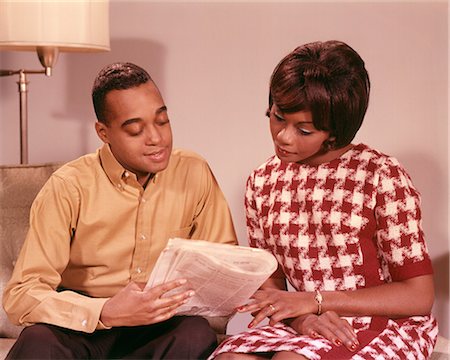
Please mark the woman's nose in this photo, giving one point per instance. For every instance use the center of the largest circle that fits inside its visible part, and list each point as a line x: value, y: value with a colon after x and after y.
x: 285, y: 135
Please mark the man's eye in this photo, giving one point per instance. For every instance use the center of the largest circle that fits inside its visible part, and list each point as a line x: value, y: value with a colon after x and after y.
x: 135, y: 131
x: 163, y: 122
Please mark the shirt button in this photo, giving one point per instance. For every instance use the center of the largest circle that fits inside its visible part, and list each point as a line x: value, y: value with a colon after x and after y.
x: 143, y: 237
x: 138, y: 270
x: 143, y: 200
x: 119, y: 186
x: 84, y: 323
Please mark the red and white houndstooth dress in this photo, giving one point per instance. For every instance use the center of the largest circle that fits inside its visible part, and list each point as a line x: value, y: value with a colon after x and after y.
x: 352, y: 223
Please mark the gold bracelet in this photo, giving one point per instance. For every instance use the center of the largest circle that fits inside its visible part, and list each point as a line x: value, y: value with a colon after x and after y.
x: 319, y: 298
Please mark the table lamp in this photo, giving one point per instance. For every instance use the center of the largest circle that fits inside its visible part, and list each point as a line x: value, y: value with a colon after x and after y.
x: 49, y: 27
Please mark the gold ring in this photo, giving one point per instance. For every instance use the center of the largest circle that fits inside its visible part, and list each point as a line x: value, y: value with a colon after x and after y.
x: 272, y: 308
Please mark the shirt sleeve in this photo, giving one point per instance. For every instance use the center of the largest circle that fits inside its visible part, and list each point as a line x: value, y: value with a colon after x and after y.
x: 213, y: 221
x: 400, y: 235
x: 31, y: 295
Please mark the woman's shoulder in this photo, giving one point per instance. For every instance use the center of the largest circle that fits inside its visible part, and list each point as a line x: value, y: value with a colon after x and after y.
x: 267, y: 167
x: 386, y: 168
x: 374, y: 157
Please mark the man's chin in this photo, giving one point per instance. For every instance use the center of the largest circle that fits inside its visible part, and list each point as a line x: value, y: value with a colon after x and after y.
x: 156, y: 167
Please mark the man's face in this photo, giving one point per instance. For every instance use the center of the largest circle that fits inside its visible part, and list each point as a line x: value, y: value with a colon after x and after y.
x: 137, y: 129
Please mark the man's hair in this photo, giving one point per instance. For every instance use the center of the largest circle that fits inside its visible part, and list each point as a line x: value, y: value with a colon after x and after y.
x: 330, y: 80
x: 117, y: 76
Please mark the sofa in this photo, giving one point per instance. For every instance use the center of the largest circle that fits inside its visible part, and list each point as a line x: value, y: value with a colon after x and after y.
x: 19, y: 185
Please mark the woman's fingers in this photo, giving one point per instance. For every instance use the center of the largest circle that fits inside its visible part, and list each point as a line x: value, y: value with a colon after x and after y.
x: 265, y: 312
x: 337, y: 330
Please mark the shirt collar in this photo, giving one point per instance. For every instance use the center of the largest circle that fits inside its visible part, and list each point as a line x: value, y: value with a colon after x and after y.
x: 112, y: 167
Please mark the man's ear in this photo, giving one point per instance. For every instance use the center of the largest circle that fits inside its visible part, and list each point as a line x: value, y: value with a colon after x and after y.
x: 101, y: 131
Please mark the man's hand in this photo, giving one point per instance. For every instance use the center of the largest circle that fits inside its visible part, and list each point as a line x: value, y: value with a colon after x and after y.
x: 134, y: 306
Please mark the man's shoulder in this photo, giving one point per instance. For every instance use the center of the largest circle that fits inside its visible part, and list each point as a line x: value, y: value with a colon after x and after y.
x: 85, y: 166
x: 185, y: 164
x: 187, y: 155
x: 186, y: 159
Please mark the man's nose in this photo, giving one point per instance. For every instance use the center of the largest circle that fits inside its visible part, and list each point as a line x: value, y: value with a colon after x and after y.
x: 152, y: 135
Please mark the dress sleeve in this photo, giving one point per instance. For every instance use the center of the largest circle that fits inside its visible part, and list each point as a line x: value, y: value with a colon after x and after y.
x: 31, y: 295
x: 399, y: 224
x: 254, y: 232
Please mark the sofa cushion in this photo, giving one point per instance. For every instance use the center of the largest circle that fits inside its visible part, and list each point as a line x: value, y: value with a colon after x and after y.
x: 19, y: 185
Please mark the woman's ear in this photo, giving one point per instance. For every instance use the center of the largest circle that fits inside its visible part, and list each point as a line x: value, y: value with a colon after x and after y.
x: 102, y: 131
x: 329, y: 144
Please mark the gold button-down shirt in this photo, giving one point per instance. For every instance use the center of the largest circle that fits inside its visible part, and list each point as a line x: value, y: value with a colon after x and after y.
x: 94, y: 228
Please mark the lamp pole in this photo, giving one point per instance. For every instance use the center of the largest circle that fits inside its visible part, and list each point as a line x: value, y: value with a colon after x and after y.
x: 23, y: 99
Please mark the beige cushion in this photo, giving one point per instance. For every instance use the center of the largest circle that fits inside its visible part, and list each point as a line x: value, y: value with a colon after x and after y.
x: 19, y: 185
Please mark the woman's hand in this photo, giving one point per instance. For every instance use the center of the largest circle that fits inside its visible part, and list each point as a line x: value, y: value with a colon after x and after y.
x: 329, y: 326
x: 278, y: 305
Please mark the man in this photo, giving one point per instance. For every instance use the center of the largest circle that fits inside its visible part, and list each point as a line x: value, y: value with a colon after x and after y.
x: 97, y: 228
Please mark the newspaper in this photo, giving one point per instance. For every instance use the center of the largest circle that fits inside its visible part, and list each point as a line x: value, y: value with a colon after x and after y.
x: 223, y: 276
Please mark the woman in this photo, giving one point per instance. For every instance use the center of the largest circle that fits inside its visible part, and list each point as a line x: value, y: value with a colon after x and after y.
x: 343, y: 221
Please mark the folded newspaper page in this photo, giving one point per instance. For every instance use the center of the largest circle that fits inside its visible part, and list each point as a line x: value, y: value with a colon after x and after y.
x: 223, y: 276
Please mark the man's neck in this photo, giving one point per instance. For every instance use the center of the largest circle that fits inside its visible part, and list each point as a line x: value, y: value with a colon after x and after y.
x: 144, y: 181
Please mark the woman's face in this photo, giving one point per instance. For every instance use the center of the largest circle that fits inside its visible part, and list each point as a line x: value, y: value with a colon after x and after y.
x: 295, y: 137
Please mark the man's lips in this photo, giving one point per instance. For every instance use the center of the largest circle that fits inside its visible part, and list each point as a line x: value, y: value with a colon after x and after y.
x: 156, y: 155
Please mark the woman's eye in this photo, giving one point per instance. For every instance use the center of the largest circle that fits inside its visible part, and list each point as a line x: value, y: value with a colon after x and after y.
x: 278, y: 117
x: 304, y: 132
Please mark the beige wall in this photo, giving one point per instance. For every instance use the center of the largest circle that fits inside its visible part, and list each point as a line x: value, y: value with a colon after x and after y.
x: 212, y: 62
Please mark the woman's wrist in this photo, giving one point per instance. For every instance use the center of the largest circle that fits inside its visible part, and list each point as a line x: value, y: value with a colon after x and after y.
x: 318, y: 298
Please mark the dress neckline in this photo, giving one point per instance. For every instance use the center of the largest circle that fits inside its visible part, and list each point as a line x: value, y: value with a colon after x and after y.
x: 332, y: 163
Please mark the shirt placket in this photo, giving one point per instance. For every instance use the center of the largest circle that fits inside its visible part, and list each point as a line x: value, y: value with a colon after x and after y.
x: 139, y: 263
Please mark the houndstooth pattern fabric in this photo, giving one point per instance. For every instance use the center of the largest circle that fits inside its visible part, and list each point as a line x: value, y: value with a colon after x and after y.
x: 351, y: 223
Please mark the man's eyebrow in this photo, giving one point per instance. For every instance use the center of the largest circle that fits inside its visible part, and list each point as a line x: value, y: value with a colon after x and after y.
x: 161, y: 109
x: 130, y: 121
x: 136, y: 120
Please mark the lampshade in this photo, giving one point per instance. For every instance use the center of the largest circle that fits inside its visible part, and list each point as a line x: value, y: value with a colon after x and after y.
x: 48, y: 27
x: 75, y: 25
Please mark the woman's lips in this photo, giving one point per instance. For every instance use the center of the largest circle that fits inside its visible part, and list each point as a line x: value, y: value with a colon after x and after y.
x: 284, y: 152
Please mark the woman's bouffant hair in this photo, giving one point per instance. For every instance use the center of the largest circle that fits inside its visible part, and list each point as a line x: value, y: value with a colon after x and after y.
x: 116, y: 76
x: 330, y: 80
